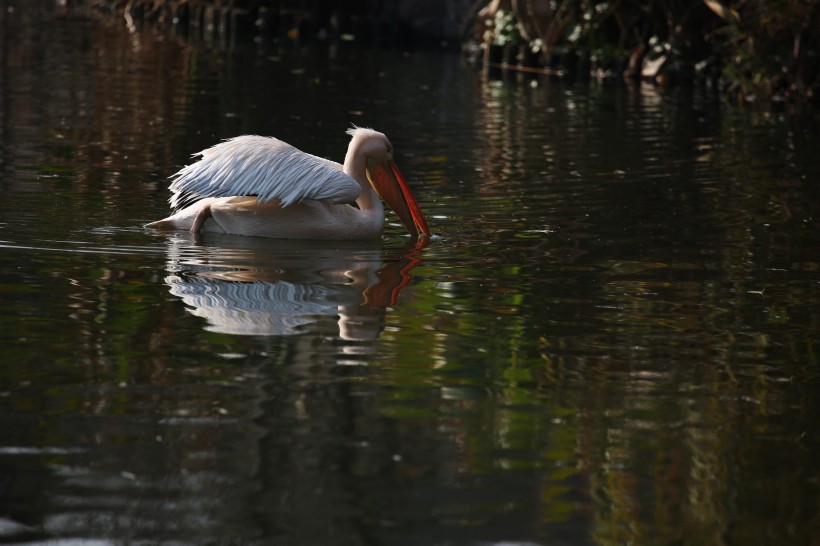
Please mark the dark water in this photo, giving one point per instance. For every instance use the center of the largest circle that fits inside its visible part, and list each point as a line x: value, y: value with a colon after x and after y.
x: 612, y: 338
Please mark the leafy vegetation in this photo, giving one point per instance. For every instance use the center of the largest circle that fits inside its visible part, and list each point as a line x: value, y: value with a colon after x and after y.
x: 753, y: 49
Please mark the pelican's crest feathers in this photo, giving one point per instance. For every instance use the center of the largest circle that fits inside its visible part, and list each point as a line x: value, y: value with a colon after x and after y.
x: 265, y: 167
x: 361, y: 131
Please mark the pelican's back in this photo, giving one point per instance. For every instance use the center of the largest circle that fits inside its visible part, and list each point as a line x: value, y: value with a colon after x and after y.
x: 265, y: 167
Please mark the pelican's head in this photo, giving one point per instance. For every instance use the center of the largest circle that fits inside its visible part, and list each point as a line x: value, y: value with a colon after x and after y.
x: 386, y: 179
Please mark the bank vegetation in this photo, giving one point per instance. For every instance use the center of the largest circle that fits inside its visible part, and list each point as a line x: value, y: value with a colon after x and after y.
x: 751, y: 50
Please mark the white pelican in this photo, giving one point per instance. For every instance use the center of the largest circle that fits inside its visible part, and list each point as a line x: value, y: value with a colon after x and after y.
x: 253, y: 185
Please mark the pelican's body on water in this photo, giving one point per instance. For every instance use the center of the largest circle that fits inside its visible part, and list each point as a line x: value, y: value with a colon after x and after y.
x: 261, y: 186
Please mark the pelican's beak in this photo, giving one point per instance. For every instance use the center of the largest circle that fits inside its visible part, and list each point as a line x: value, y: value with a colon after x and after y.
x: 392, y: 188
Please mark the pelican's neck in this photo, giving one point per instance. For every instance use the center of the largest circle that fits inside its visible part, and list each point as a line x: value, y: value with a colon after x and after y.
x: 356, y: 168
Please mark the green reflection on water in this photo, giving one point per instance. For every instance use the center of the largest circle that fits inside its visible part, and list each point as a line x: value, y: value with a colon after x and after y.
x: 612, y: 338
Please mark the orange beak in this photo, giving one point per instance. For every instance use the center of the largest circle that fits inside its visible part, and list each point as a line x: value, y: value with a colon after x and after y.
x: 392, y: 188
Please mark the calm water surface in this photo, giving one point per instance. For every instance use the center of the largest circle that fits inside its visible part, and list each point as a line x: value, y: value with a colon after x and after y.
x: 612, y: 338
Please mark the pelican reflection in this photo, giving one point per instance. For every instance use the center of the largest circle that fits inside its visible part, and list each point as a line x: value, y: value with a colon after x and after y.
x: 246, y: 286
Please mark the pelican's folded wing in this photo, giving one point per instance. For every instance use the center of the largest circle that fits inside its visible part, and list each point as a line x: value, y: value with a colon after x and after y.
x: 265, y: 167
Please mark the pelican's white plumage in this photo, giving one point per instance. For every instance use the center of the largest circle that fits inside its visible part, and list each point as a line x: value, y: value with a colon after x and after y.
x: 261, y: 186
x: 267, y: 168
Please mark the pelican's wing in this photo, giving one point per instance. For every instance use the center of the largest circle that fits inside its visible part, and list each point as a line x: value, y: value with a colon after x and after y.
x: 265, y: 167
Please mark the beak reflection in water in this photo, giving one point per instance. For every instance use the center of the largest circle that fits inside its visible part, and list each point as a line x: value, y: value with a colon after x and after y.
x: 251, y: 288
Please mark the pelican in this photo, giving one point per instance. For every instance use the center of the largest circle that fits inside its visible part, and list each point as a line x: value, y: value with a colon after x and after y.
x: 261, y: 186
